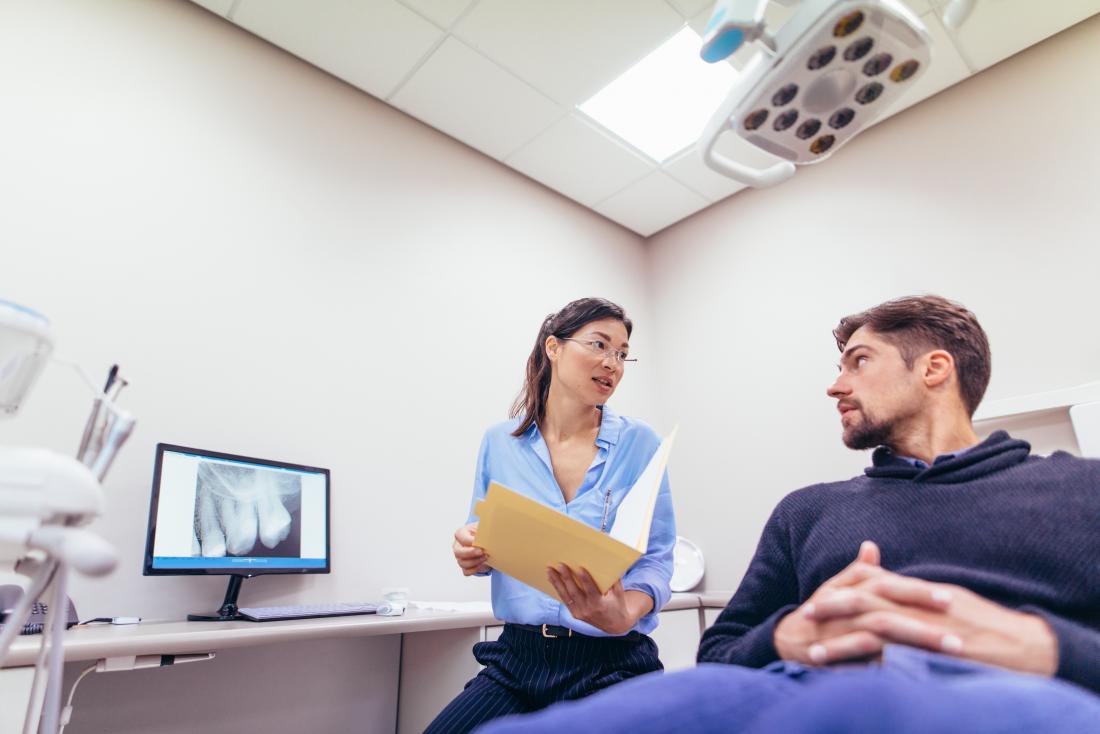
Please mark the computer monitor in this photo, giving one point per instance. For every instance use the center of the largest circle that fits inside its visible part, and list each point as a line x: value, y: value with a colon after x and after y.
x: 217, y: 513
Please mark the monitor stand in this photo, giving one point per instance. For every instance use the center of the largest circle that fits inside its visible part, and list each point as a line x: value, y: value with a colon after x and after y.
x: 228, y: 610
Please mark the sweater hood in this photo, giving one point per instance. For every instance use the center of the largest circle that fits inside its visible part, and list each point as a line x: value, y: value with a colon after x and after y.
x: 998, y: 452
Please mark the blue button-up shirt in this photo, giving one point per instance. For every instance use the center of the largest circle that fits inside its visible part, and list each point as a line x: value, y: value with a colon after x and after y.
x: 522, y: 464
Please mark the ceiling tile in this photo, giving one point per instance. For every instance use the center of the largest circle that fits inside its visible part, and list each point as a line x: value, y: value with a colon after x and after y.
x: 465, y: 95
x: 947, y: 67
x: 441, y: 12
x: 580, y: 161
x: 568, y: 49
x: 221, y: 7
x: 996, y: 30
x: 691, y: 8
x: 920, y: 7
x: 689, y: 169
x: 651, y: 204
x: 372, y: 45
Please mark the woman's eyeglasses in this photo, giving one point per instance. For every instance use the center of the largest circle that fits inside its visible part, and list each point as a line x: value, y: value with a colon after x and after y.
x: 599, y: 346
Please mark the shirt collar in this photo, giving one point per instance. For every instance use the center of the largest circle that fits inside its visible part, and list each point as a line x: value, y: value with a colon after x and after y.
x: 921, y: 464
x: 611, y: 427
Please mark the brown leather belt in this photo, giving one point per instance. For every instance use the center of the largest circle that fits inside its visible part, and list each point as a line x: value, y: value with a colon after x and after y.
x: 551, y: 631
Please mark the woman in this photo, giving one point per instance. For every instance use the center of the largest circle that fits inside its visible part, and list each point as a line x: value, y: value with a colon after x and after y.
x: 567, y: 449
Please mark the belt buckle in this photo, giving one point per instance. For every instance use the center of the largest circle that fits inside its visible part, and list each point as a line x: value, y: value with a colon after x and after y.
x: 546, y: 633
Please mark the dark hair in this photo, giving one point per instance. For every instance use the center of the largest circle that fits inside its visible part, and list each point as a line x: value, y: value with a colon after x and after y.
x: 918, y: 324
x: 531, y: 401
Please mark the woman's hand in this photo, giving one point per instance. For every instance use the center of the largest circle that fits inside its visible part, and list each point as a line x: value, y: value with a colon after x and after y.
x: 470, y: 559
x: 615, y: 612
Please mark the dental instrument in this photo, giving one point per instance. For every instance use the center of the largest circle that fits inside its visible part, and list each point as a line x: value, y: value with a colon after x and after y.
x: 45, y: 498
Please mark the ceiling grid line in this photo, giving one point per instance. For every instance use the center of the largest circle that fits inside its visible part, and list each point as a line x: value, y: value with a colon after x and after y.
x: 677, y: 10
x: 443, y: 27
x: 510, y: 84
x: 435, y: 47
x: 624, y: 188
x: 417, y: 66
x: 562, y: 111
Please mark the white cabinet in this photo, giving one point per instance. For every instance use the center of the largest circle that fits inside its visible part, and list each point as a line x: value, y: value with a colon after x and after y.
x: 677, y: 638
x: 434, y: 668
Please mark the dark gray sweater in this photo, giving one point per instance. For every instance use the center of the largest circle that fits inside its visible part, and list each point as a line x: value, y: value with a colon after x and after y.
x: 1022, y: 531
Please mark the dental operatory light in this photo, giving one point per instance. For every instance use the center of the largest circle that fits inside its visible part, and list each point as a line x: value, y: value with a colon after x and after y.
x: 660, y: 104
x: 825, y: 75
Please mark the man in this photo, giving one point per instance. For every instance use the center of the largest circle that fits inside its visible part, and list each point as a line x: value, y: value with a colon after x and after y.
x: 972, y: 603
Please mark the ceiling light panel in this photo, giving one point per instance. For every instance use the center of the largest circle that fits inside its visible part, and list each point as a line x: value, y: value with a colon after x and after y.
x: 661, y: 104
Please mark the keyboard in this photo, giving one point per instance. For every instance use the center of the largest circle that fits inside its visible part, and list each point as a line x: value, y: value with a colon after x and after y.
x: 305, y: 611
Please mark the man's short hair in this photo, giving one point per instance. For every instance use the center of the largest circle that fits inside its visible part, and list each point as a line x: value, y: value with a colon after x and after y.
x: 919, y: 324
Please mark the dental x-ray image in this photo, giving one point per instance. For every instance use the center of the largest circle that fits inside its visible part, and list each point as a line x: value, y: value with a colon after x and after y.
x: 246, y: 511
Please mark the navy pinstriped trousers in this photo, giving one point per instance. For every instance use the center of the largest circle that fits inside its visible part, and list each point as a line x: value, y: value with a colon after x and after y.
x: 525, y: 672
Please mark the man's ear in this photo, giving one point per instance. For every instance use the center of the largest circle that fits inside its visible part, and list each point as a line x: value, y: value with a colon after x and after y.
x: 939, y: 367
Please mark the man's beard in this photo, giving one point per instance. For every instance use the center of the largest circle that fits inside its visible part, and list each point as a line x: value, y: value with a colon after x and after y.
x: 868, y: 433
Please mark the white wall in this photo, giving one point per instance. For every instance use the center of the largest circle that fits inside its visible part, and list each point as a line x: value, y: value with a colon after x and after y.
x: 985, y: 193
x: 284, y: 267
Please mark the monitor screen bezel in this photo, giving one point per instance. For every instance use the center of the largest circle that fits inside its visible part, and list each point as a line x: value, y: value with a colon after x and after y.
x: 154, y: 501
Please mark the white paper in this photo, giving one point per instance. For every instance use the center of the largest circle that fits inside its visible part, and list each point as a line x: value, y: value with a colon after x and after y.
x: 635, y: 513
x: 452, y: 606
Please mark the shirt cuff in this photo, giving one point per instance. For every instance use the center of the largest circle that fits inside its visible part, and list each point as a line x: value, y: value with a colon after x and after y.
x: 653, y: 589
x: 753, y: 649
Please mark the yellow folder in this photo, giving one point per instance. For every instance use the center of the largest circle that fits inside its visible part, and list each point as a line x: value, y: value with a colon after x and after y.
x: 523, y: 537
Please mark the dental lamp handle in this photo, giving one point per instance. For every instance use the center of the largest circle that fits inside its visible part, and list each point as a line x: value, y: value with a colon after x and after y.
x: 759, y: 178
x: 721, y: 121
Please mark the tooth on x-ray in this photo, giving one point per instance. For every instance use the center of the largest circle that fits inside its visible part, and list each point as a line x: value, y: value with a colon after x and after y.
x: 210, y: 532
x: 274, y: 519
x: 239, y: 522
x: 236, y: 506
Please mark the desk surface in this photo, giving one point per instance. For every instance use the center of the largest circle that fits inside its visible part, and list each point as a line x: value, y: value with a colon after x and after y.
x: 178, y: 637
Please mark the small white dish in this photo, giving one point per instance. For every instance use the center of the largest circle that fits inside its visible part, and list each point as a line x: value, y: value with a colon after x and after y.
x: 687, y: 565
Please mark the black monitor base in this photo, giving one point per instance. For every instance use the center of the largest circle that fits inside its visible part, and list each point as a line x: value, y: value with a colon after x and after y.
x: 216, y: 617
x: 228, y: 610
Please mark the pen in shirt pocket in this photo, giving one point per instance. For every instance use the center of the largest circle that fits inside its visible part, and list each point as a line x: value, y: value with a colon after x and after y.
x: 606, y: 510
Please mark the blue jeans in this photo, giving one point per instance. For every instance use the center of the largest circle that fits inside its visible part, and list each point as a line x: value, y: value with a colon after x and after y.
x: 911, y: 691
